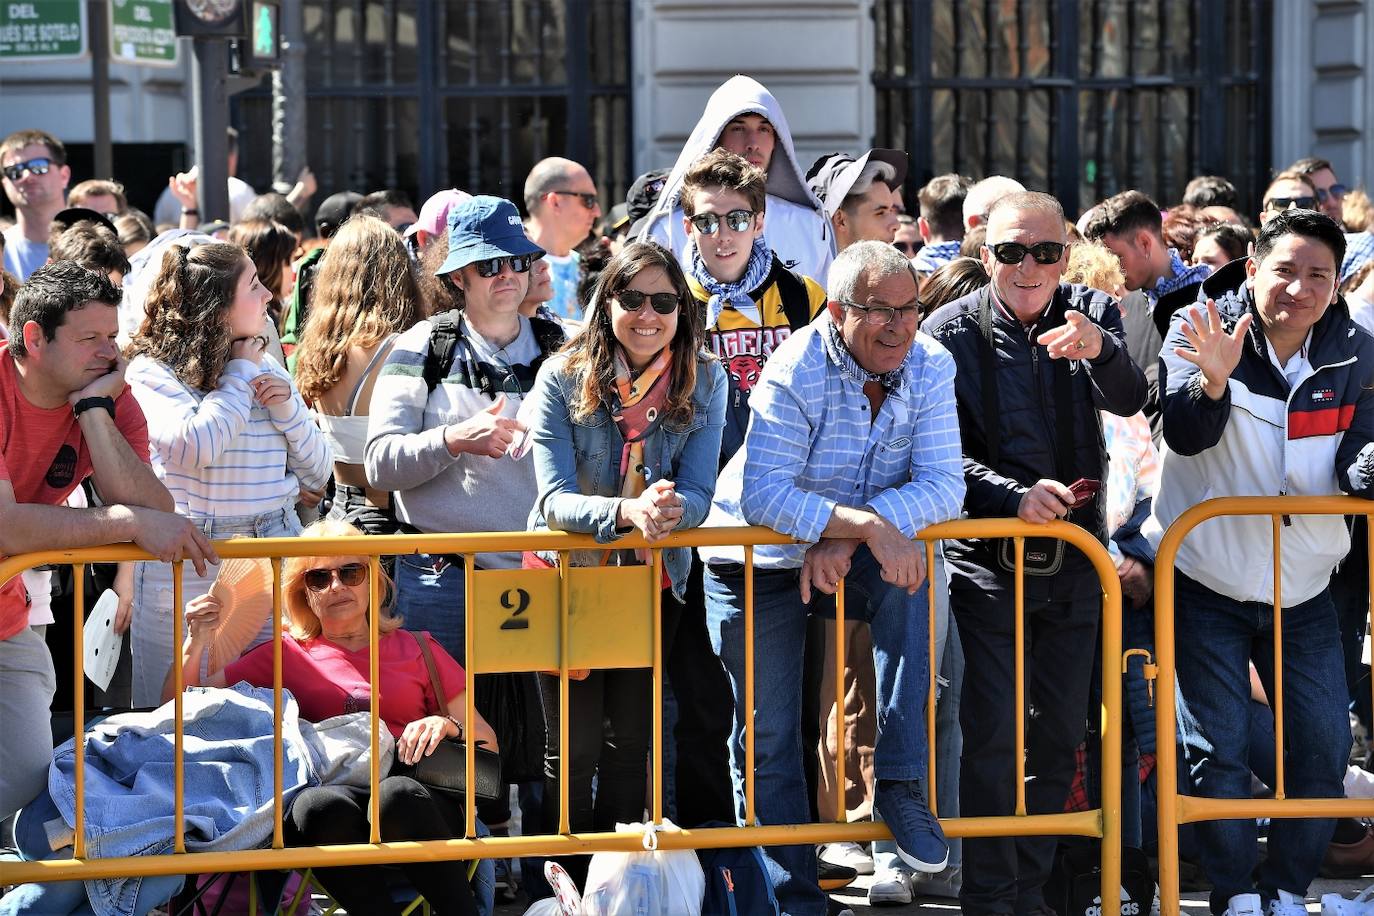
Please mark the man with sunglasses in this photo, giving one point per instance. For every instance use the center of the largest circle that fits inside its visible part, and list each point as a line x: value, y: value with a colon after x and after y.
x: 34, y: 165
x: 1036, y: 360
x: 1330, y: 191
x: 562, y: 202
x: 852, y: 449
x: 1287, y: 190
x: 443, y: 413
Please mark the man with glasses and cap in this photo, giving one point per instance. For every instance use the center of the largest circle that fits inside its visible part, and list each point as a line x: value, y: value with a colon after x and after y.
x: 857, y: 194
x: 1036, y: 360
x: 852, y: 449
x: 562, y: 202
x: 443, y: 414
x: 34, y: 164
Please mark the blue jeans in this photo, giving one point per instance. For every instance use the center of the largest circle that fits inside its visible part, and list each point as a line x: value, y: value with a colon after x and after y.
x: 433, y: 599
x: 1215, y: 639
x: 899, y: 624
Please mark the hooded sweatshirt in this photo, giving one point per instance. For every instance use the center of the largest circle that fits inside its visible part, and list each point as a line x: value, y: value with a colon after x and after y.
x: 795, y: 224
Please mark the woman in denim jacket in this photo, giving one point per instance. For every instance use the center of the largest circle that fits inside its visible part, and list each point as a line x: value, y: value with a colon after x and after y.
x: 626, y: 425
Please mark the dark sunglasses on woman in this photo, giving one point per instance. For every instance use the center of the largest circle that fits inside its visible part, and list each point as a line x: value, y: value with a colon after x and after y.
x: 633, y: 300
x: 318, y: 580
x: 1015, y: 252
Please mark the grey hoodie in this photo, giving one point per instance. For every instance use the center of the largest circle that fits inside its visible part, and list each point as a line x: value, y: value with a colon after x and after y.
x: 795, y: 224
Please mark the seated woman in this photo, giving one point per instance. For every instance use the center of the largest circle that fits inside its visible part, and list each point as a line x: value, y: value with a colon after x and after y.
x: 626, y: 424
x: 325, y: 665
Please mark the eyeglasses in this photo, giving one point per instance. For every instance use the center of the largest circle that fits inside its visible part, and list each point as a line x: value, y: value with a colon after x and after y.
x: 1336, y: 190
x: 520, y: 263
x: 590, y: 201
x: 38, y: 166
x: 907, y: 248
x: 884, y: 314
x: 1306, y: 202
x: 350, y: 574
x: 735, y: 220
x: 1015, y: 252
x: 633, y: 300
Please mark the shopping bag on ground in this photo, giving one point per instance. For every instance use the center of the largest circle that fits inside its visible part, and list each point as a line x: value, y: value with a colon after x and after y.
x: 655, y: 881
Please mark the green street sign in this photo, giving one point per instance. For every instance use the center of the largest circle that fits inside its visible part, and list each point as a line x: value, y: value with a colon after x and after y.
x: 142, y: 32
x: 42, y: 29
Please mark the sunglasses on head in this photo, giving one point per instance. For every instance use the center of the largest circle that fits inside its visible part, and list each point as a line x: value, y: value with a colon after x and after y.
x: 490, y: 267
x: 907, y: 248
x: 588, y: 200
x: 735, y: 220
x: 1336, y: 190
x: 38, y: 166
x: 633, y: 300
x: 317, y: 580
x: 1306, y: 202
x: 1015, y: 252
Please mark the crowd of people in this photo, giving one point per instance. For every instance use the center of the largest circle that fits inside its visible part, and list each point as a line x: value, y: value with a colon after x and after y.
x: 743, y: 340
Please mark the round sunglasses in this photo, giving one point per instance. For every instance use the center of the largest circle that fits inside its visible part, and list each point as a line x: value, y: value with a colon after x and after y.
x: 632, y: 301
x: 350, y: 574
x: 735, y: 220
x: 1015, y: 252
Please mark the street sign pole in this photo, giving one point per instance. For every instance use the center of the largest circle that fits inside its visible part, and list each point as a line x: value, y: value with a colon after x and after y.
x: 99, y: 24
x: 211, y: 122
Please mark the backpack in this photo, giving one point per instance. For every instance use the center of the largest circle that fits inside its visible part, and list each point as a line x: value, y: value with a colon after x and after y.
x: 737, y: 882
x: 446, y: 332
x: 1075, y: 884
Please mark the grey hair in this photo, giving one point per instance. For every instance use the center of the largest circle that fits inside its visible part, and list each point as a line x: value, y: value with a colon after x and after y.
x: 874, y: 261
x: 547, y: 175
x: 1029, y: 202
x: 980, y: 198
x: 872, y: 171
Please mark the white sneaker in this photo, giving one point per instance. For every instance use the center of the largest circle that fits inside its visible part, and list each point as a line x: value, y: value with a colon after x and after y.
x: 1244, y: 905
x: 850, y: 855
x: 1286, y: 904
x: 890, y: 887
x: 1362, y: 905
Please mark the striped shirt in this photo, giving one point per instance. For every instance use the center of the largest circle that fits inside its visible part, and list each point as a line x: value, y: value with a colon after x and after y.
x: 220, y: 453
x: 812, y: 445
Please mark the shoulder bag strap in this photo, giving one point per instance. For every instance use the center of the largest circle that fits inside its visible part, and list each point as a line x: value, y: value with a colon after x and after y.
x: 434, y: 681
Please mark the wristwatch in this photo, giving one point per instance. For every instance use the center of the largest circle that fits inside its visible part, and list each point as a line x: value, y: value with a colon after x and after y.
x: 86, y: 404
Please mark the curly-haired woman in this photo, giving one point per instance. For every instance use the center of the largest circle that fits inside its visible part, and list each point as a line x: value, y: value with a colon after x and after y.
x: 232, y: 439
x: 365, y: 294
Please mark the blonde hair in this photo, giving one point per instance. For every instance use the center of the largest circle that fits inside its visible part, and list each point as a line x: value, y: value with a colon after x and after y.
x: 1093, y: 264
x: 1357, y: 212
x: 300, y: 618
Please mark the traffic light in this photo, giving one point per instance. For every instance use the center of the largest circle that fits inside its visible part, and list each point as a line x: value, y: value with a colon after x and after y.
x: 211, y: 18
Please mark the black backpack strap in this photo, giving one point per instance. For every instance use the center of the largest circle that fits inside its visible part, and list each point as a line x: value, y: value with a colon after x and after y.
x: 443, y: 343
x: 992, y: 426
x: 796, y: 302
x: 550, y: 337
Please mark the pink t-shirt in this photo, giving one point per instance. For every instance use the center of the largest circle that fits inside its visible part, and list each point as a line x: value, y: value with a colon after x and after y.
x: 328, y: 680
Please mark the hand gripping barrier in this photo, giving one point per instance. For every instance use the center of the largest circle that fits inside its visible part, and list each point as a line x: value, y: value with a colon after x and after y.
x: 1176, y: 809
x: 566, y: 618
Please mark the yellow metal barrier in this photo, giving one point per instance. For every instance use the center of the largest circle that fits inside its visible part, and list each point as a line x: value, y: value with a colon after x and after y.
x: 1176, y: 809
x: 567, y: 618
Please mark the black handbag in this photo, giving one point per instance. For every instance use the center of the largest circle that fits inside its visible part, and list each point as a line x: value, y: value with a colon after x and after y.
x: 445, y: 769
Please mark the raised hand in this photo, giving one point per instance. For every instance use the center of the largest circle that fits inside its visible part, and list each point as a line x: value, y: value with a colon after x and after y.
x: 1076, y: 338
x: 1214, y: 352
x: 109, y: 385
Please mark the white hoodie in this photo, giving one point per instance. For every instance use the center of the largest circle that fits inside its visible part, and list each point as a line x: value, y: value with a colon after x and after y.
x: 794, y: 226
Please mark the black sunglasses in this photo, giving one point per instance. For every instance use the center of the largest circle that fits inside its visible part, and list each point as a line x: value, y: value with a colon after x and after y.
x: 1306, y: 202
x: 907, y: 248
x: 318, y: 580
x: 38, y: 166
x: 589, y: 201
x: 490, y: 267
x: 1015, y: 252
x: 736, y: 220
x: 633, y: 300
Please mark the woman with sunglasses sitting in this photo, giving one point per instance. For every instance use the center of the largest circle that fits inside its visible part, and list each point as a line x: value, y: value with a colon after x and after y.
x: 626, y: 425
x: 325, y: 664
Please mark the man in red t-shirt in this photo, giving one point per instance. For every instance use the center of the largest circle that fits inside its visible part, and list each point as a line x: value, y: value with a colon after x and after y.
x: 65, y: 415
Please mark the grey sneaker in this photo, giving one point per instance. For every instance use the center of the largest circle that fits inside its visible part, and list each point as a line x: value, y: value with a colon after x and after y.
x: 890, y: 887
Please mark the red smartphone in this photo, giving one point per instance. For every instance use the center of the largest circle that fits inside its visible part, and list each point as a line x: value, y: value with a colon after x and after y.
x: 1083, y: 490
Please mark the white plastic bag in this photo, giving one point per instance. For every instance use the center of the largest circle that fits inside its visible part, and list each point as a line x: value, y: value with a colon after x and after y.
x: 650, y: 883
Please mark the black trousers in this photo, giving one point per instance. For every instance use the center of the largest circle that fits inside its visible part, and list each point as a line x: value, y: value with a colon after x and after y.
x: 338, y: 814
x: 1006, y: 875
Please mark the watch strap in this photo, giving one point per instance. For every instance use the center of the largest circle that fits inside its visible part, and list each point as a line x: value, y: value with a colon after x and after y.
x: 86, y: 404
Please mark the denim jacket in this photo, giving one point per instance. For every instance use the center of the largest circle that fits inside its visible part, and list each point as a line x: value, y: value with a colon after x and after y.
x: 577, y: 463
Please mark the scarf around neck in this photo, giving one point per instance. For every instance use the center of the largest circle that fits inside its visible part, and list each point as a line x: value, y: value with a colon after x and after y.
x: 723, y: 294
x: 839, y: 354
x: 637, y: 412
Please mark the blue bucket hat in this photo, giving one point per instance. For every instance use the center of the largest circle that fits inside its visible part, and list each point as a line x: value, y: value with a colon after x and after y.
x: 485, y: 227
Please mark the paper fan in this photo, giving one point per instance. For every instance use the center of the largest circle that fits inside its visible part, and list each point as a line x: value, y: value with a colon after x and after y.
x: 244, y: 588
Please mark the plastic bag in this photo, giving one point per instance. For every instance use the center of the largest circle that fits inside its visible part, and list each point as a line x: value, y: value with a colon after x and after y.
x: 650, y: 883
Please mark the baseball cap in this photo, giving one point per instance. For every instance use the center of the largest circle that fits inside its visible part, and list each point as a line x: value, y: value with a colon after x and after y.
x: 485, y: 227
x: 832, y: 175
x: 433, y: 218
x: 73, y: 215
x: 333, y: 210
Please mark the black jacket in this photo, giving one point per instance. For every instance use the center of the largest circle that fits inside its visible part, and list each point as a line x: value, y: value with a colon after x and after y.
x: 1028, y: 426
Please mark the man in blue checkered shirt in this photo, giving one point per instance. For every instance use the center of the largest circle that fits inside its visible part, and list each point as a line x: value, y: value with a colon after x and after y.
x: 853, y: 448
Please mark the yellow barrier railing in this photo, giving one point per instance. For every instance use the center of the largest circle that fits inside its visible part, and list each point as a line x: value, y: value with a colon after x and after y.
x: 562, y: 619
x: 1176, y: 809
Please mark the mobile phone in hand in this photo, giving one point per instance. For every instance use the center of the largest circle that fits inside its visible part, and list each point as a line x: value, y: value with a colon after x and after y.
x: 1083, y: 490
